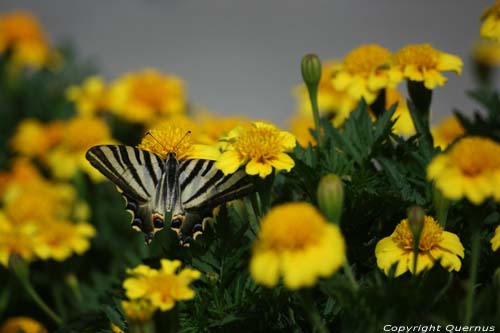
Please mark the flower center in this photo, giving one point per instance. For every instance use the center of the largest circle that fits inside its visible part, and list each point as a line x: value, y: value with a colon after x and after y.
x: 422, y: 56
x: 475, y: 156
x: 148, y: 89
x: 366, y: 59
x: 83, y: 133
x: 259, y: 143
x: 431, y: 235
x: 168, y: 139
x: 292, y: 227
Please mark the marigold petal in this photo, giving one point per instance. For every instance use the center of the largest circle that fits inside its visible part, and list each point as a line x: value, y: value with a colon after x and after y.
x: 424, y: 262
x: 299, y: 269
x: 495, y: 241
x: 413, y: 73
x: 169, y: 266
x: 265, y: 268
x: 229, y: 162
x: 283, y: 162
x: 389, y: 253
x: 450, y: 62
x: 342, y: 80
x: 289, y: 141
x: 450, y: 242
x: 204, y: 152
x: 447, y: 259
x: 433, y: 78
x: 257, y: 168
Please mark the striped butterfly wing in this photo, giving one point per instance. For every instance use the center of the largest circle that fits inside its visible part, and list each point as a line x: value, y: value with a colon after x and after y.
x: 136, y: 173
x: 203, y: 187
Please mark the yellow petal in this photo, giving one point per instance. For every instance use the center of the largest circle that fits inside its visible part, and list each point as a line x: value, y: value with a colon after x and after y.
x: 433, y: 78
x: 341, y: 80
x: 450, y: 62
x: 283, y: 162
x: 255, y: 167
x: 229, y: 162
x: 265, y: 268
x: 495, y: 241
x: 451, y: 243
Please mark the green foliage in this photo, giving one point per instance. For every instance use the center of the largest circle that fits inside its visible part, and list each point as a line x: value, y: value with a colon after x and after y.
x: 383, y: 174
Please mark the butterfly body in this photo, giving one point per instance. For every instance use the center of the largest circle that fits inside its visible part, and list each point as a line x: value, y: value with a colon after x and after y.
x: 154, y: 188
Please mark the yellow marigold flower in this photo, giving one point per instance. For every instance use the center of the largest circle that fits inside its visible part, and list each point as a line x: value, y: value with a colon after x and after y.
x: 260, y: 146
x: 436, y: 245
x: 332, y: 103
x: 169, y: 138
x: 491, y: 22
x: 59, y: 240
x: 364, y: 72
x: 162, y: 287
x: 299, y: 252
x: 21, y: 33
x: 23, y: 173
x: 495, y: 241
x: 487, y: 53
x: 16, y: 240
x: 142, y: 97
x: 423, y: 63
x: 301, y: 126
x: 30, y: 139
x: 22, y: 325
x: 90, y: 97
x: 471, y: 169
x: 79, y: 135
x: 211, y: 127
x: 447, y: 131
x: 404, y: 124
x: 138, y: 311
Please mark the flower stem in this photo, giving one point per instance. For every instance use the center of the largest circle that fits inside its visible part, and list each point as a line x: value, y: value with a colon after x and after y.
x: 21, y: 270
x: 39, y: 301
x: 146, y: 327
x: 313, y: 314
x: 313, y: 97
x: 350, y: 275
x: 469, y: 300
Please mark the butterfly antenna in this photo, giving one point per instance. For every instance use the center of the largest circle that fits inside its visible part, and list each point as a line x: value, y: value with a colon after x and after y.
x: 182, y: 139
x: 157, y: 141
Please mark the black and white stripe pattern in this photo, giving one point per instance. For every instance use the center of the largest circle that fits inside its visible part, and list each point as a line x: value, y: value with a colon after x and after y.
x: 141, y: 175
x: 133, y: 170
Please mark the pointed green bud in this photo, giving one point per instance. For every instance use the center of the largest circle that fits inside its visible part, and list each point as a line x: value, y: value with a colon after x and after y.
x: 416, y: 217
x: 331, y: 197
x: 311, y: 70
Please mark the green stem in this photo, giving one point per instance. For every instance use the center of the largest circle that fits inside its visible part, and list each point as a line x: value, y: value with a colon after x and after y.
x: 313, y: 313
x: 146, y: 327
x: 313, y: 97
x: 4, y: 299
x: 350, y: 275
x: 474, y: 264
x: 252, y: 216
x: 39, y: 301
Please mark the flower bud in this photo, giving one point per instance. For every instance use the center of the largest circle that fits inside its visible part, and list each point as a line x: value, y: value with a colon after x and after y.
x: 311, y: 69
x: 212, y: 278
x: 331, y: 197
x: 416, y: 217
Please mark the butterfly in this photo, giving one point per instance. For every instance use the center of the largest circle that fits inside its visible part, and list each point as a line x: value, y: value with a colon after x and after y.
x: 154, y: 188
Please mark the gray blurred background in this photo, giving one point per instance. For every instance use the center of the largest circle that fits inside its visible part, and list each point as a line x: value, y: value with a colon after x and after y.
x: 242, y: 57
